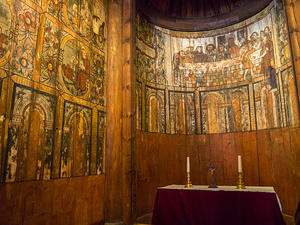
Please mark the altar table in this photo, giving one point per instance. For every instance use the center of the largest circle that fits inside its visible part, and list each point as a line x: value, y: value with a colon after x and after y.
x: 225, y: 205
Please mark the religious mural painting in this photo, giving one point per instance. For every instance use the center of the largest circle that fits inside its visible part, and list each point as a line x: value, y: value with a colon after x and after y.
x: 98, y: 24
x: 25, y: 42
x: 50, y: 53
x: 64, y: 48
x: 97, y: 79
x: 7, y: 29
x: 225, y: 110
x: 37, y: 2
x: 1, y: 80
x: 226, y: 59
x: 267, y: 105
x: 75, y: 158
x: 238, y: 109
x: 100, y: 142
x: 155, y: 110
x: 212, y: 113
x: 31, y: 136
x: 161, y: 70
x: 282, y: 33
x: 80, y: 69
x: 145, y: 66
x: 54, y: 7
x: 234, y: 71
x: 182, y: 112
x: 75, y: 70
x: 145, y: 31
x: 290, y: 96
x: 86, y: 18
x: 151, y: 53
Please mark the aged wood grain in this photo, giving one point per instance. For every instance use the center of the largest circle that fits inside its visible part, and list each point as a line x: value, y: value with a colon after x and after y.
x: 230, y: 159
x: 62, y: 202
x: 128, y: 126
x: 264, y: 152
x: 269, y: 159
x: 250, y: 159
x: 113, y: 167
x: 295, y: 148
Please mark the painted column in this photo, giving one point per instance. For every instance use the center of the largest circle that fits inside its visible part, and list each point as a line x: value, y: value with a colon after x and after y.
x: 252, y: 107
x: 198, y: 116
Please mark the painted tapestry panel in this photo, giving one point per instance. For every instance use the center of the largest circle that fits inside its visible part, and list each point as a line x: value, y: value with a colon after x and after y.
x: 290, y: 97
x: 225, y: 110
x: 182, y: 113
x: 100, y: 142
x: 155, y: 110
x: 75, y: 155
x: 31, y: 134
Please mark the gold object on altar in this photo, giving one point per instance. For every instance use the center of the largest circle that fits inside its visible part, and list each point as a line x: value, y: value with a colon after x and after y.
x: 188, y: 180
x: 241, y: 184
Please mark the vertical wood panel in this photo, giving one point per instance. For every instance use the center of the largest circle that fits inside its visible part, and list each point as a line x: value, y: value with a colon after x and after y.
x: 282, y: 164
x: 264, y: 158
x: 203, y: 143
x: 250, y: 159
x: 193, y: 152
x: 179, y: 163
x: 217, y: 156
x: 70, y: 201
x: 147, y: 175
x: 230, y: 159
x: 295, y: 148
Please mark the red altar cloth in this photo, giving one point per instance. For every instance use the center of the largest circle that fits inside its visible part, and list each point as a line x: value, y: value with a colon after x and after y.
x: 210, y: 207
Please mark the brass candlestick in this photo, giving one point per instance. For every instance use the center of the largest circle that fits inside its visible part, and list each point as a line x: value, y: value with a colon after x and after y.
x: 241, y: 184
x: 188, y: 180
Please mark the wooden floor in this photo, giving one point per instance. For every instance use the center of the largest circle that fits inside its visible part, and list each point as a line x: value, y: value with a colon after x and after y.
x: 289, y: 220
x: 144, y: 220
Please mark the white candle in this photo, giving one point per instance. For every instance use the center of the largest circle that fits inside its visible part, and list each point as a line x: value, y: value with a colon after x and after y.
x: 240, y: 164
x: 188, y: 164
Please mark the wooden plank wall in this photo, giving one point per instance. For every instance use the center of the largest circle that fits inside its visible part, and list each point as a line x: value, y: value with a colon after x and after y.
x: 270, y: 158
x: 69, y: 201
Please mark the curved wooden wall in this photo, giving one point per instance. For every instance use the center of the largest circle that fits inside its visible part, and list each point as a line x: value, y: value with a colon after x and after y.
x: 270, y: 158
